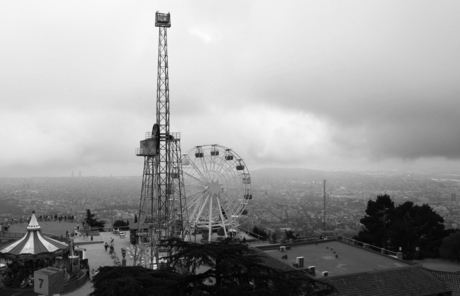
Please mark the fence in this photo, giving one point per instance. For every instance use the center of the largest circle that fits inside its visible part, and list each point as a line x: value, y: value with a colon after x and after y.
x: 11, y: 235
x: 250, y: 233
x: 370, y: 247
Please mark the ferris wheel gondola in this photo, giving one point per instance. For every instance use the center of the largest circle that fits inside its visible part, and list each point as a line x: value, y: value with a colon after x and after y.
x: 217, y: 187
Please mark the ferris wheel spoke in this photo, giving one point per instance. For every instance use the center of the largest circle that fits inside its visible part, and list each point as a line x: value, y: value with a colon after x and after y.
x: 218, y: 161
x: 210, y: 166
x: 228, y: 199
x: 199, y: 171
x: 193, y: 177
x: 194, y: 193
x: 202, y: 206
x: 196, y: 200
x: 205, y: 167
x: 220, y: 168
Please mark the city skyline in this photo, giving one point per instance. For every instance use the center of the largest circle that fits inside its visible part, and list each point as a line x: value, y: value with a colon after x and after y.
x: 313, y: 84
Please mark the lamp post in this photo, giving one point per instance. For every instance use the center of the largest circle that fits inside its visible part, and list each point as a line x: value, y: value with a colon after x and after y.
x: 195, y: 233
x: 123, y: 254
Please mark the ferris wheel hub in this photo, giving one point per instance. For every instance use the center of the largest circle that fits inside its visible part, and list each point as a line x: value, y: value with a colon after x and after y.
x: 214, y: 187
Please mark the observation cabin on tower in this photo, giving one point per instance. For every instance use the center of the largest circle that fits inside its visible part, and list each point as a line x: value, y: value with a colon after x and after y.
x: 151, y: 145
x: 163, y: 19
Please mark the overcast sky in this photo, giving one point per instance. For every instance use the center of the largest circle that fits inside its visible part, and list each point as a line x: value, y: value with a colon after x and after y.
x: 315, y: 84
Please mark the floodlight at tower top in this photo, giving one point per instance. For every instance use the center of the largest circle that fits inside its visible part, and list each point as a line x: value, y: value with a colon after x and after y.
x: 162, y: 19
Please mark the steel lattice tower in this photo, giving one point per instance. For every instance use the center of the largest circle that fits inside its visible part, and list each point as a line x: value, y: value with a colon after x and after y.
x: 162, y: 206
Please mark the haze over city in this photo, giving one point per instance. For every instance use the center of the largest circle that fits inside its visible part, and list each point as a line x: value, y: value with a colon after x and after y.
x: 349, y: 85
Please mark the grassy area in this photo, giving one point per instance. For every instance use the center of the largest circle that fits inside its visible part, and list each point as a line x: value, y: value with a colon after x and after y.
x: 54, y: 228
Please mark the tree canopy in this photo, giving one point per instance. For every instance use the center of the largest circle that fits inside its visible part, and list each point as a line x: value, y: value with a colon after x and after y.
x: 221, y: 268
x: 120, y: 223
x: 92, y: 221
x: 407, y: 226
x: 450, y: 248
x: 137, y: 280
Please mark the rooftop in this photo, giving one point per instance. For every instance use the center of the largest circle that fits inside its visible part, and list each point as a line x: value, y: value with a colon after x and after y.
x: 406, y: 281
x: 322, y: 254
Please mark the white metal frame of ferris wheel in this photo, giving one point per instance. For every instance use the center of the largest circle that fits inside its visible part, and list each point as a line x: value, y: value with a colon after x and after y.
x: 218, y: 187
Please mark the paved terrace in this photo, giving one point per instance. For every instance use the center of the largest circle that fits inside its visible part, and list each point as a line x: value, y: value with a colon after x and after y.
x: 97, y: 256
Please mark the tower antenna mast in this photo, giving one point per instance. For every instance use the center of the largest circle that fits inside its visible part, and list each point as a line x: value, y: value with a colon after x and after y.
x: 162, y: 209
x: 324, y: 213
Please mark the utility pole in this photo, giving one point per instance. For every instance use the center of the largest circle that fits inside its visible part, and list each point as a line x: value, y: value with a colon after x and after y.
x: 324, y: 213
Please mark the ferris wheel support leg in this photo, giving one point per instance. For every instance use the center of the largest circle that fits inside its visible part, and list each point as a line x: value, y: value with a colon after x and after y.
x: 210, y: 216
x: 196, y: 205
x: 201, y: 210
x: 221, y: 215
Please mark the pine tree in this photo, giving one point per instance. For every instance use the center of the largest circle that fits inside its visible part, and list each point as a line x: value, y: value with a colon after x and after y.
x: 92, y: 221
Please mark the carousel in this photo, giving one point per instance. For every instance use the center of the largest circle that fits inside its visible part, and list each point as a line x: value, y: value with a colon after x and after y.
x: 32, y: 252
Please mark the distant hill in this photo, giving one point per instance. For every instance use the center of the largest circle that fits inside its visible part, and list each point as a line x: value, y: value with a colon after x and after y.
x: 296, y: 174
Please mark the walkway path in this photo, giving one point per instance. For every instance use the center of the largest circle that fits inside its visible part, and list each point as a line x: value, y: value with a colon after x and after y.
x: 97, y: 256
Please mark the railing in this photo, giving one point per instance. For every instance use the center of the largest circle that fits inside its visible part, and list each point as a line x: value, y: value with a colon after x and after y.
x: 11, y: 234
x: 256, y: 236
x: 370, y: 247
x: 175, y: 135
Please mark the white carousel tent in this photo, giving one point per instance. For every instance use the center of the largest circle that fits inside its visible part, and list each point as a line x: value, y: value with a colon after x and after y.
x: 33, y: 245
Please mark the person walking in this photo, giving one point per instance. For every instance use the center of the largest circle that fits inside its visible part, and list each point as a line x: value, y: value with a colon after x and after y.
x: 91, y: 237
x: 88, y: 275
x: 106, y: 246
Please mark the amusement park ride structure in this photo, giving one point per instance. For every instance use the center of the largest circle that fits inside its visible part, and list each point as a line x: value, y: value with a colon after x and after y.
x: 218, y: 189
x: 218, y: 182
x: 162, y: 207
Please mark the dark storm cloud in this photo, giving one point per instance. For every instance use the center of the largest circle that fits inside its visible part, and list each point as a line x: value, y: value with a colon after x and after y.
x: 398, y: 85
x: 296, y: 83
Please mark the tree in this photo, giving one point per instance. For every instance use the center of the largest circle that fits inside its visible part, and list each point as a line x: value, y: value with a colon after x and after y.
x: 136, y: 280
x: 121, y: 223
x: 261, y: 233
x: 135, y: 218
x: 379, y: 214
x: 450, y: 248
x: 92, y: 221
x: 236, y: 269
x: 291, y: 235
x: 406, y: 226
x: 417, y: 226
x: 230, y: 269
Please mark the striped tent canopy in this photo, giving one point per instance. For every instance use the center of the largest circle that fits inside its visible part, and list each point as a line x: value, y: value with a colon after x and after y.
x: 33, y: 245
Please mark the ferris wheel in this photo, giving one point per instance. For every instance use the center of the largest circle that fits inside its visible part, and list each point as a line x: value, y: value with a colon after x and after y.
x: 217, y: 187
